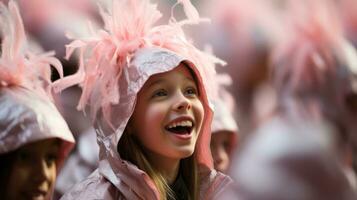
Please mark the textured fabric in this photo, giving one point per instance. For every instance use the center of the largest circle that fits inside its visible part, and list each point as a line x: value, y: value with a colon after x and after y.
x: 131, y: 182
x: 27, y: 117
x: 114, y: 65
x: 98, y: 187
x: 293, y: 159
x: 222, y: 118
x: 27, y: 113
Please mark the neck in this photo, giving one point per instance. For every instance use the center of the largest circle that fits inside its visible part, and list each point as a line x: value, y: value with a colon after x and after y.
x: 169, y: 167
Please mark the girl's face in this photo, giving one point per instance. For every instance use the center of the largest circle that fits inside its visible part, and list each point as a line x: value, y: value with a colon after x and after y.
x: 220, y: 149
x: 33, y: 172
x: 168, y: 115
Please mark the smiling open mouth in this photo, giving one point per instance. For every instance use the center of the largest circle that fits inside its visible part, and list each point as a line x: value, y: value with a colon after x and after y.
x: 182, y: 128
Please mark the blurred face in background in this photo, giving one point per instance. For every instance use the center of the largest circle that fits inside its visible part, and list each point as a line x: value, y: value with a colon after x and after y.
x: 221, y: 148
x: 33, y: 172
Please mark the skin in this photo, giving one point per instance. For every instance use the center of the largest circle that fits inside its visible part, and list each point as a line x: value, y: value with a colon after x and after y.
x: 220, y: 149
x: 164, y: 98
x: 34, y: 171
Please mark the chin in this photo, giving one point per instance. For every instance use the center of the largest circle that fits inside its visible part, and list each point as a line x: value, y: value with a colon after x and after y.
x: 185, y: 152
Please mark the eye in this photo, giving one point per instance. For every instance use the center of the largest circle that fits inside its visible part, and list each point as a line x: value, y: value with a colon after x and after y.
x: 51, y: 159
x: 226, y: 145
x: 191, y: 91
x: 23, y: 157
x: 159, y: 93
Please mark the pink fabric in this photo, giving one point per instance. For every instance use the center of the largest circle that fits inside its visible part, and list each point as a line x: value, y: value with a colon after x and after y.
x: 349, y: 18
x: 114, y: 65
x: 27, y: 113
x: 96, y: 186
x: 223, y: 119
x: 26, y: 117
x: 292, y: 158
x: 122, y: 174
x: 316, y: 65
x: 20, y: 66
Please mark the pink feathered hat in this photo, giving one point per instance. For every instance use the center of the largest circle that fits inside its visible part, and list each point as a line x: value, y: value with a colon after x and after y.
x: 27, y: 113
x: 116, y: 61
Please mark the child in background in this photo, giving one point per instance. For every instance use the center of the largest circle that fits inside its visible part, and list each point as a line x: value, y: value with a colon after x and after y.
x: 314, y: 72
x: 145, y: 88
x: 300, y: 151
x: 242, y: 33
x: 34, y: 138
x: 224, y: 128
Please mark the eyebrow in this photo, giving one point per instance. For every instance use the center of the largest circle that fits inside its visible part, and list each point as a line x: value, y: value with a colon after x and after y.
x: 190, y: 79
x: 155, y: 82
x: 159, y: 80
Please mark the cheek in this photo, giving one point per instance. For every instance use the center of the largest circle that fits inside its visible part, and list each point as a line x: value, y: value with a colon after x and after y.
x: 53, y: 172
x: 19, y: 177
x: 152, y: 117
x: 199, y: 112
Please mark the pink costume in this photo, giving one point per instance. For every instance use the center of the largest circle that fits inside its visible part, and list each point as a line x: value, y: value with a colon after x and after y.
x: 294, y: 153
x: 27, y: 113
x: 288, y: 159
x: 314, y: 68
x: 115, y: 63
x: 223, y: 118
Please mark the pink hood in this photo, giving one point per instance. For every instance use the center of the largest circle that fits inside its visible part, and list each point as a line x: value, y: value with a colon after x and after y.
x: 224, y: 106
x: 124, y: 175
x: 27, y: 113
x: 115, y: 63
x: 26, y: 117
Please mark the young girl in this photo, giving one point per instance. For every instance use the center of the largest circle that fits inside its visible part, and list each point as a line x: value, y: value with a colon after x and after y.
x: 224, y: 128
x: 34, y: 138
x: 146, y: 91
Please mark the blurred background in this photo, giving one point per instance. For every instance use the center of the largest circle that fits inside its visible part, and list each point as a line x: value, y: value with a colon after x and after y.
x: 291, y: 74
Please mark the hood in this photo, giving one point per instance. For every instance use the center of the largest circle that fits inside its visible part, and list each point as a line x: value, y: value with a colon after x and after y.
x: 145, y: 63
x: 27, y: 117
x: 223, y: 119
x: 114, y: 64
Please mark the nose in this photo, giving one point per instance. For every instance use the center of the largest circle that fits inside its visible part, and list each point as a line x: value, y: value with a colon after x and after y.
x: 221, y: 159
x: 42, y: 171
x: 182, y: 103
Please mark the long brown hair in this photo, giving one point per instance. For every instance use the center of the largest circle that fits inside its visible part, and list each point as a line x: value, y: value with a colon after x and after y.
x: 130, y: 149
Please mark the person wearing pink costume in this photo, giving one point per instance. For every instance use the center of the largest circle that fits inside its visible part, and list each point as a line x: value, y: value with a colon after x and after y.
x: 299, y: 151
x: 146, y: 88
x: 224, y: 139
x: 242, y: 33
x: 34, y: 138
x: 314, y: 72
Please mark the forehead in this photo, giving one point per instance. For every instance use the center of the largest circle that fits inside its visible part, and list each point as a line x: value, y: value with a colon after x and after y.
x: 180, y: 72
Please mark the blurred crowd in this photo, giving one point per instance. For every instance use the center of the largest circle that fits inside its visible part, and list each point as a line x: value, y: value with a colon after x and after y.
x: 285, y: 105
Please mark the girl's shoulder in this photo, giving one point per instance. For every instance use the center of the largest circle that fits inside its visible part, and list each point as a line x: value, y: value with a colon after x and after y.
x: 93, y: 187
x: 213, y: 183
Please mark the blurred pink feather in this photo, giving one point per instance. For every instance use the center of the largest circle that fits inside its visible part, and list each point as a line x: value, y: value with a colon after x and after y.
x: 190, y: 10
x: 18, y: 65
x: 128, y: 26
x: 18, y: 29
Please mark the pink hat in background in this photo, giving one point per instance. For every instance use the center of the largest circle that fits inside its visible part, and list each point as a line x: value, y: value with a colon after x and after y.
x: 27, y: 113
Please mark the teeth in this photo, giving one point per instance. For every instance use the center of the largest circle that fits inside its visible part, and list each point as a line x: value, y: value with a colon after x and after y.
x: 186, y: 123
